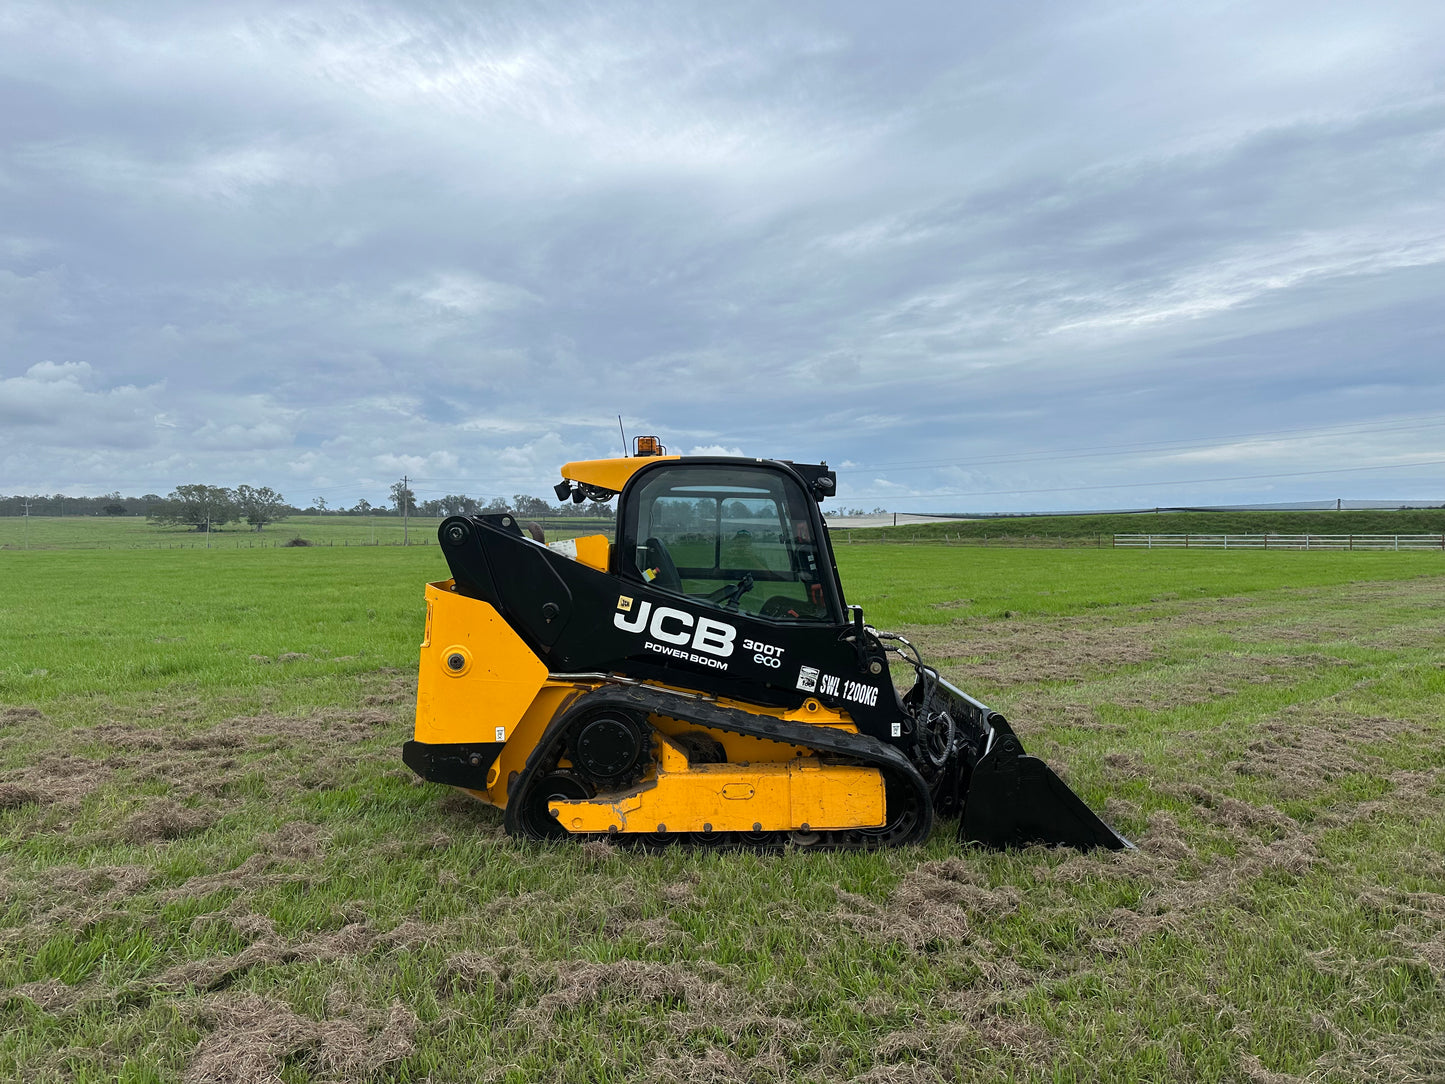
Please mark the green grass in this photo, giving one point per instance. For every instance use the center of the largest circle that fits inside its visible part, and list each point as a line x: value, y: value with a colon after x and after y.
x: 936, y: 585
x: 90, y: 532
x: 213, y: 864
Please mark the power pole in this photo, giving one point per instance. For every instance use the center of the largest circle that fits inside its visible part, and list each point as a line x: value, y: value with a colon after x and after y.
x: 405, y: 500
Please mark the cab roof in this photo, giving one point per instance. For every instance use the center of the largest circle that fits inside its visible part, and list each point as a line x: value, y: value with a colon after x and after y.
x: 613, y: 474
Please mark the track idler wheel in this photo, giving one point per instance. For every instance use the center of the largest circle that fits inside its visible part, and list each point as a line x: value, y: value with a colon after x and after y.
x: 537, y: 819
x: 903, y: 809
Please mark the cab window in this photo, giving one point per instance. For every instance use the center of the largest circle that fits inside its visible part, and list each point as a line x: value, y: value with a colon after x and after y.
x: 740, y: 538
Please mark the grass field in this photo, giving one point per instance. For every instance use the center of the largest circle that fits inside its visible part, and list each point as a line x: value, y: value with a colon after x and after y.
x: 134, y: 532
x: 1099, y: 528
x: 214, y: 867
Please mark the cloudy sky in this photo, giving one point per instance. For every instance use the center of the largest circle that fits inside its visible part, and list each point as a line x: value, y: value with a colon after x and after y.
x: 977, y: 255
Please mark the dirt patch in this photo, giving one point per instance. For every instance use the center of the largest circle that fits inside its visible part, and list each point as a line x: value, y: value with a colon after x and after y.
x: 581, y: 983
x: 217, y: 972
x: 251, y: 1039
x: 296, y: 841
x: 1230, y: 812
x: 66, y: 896
x: 716, y: 1066
x: 22, y: 713
x: 47, y: 995
x: 399, y: 690
x: 164, y: 819
x: 263, y: 731
x: 222, y: 737
x: 934, y: 903
x: 1060, y: 649
x: 1304, y: 749
x: 1403, y: 614
x: 283, y: 754
x: 981, y: 1028
x: 469, y: 972
x: 63, y: 780
x: 1222, y: 675
x: 250, y: 875
x: 13, y: 795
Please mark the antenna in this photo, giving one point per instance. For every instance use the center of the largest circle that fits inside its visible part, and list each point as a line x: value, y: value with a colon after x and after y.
x: 624, y: 434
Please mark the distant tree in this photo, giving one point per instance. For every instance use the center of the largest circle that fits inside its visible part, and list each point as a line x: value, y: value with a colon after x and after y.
x: 319, y: 503
x: 497, y: 504
x: 455, y: 504
x: 362, y: 506
x: 261, y: 505
x: 114, y: 510
x: 738, y: 510
x: 403, y: 498
x: 203, y: 507
x: 526, y: 505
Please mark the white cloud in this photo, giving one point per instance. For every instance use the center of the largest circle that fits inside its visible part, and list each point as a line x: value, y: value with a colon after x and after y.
x: 458, y: 293
x: 715, y: 449
x: 235, y: 437
x: 69, y: 372
x: 54, y: 401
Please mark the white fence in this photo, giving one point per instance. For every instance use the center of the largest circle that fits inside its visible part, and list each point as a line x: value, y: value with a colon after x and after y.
x: 1283, y: 541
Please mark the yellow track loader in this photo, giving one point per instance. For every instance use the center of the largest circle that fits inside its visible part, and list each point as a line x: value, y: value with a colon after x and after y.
x: 702, y: 680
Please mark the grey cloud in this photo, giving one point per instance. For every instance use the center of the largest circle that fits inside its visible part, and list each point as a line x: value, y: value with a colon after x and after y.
x: 329, y: 242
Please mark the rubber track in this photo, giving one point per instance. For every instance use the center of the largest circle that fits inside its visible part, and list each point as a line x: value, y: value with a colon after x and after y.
x: 899, y: 774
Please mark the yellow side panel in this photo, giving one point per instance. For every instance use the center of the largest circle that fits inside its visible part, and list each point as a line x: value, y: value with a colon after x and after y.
x: 610, y: 473
x: 594, y: 551
x: 776, y: 796
x: 498, y: 677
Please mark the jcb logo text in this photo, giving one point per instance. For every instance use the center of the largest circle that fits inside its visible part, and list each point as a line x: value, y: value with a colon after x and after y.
x: 679, y: 627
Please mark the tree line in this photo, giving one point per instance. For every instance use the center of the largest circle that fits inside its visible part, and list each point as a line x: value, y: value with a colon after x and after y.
x: 186, y: 503
x: 202, y: 506
x: 459, y: 504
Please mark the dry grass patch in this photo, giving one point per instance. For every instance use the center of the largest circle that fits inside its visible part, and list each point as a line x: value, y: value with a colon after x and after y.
x: 251, y: 1038
x: 1006, y: 652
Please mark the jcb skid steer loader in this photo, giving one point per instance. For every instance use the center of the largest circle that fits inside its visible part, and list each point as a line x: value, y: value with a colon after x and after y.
x: 703, y: 680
